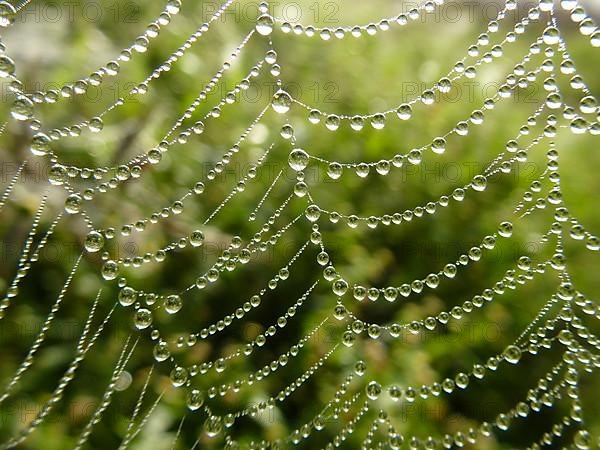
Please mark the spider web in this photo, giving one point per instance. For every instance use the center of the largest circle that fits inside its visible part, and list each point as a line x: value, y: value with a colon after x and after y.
x: 341, y: 298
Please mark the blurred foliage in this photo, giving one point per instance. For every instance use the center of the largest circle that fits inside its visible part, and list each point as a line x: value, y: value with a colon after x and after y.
x: 349, y: 75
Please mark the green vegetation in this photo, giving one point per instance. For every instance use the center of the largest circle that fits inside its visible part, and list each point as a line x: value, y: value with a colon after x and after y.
x: 341, y: 76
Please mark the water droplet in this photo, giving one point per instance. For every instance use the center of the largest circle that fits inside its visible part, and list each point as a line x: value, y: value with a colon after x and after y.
x: 40, y: 144
x: 173, y: 6
x: 7, y: 65
x: 195, y: 399
x: 22, y: 108
x: 348, y: 338
x: 339, y: 311
x: 382, y: 167
x: 444, y: 85
x: 360, y: 367
x: 7, y: 14
x: 428, y: 97
x: 438, y: 145
x: 110, y: 270
x: 287, y: 131
x: 340, y: 287
x: 173, y: 304
x: 127, y: 296
x: 414, y: 157
x: 404, y: 112
x: 582, y: 440
x: 395, y: 392
x: 505, y: 229
x: 390, y: 293
x: 161, y: 351
x: 271, y: 57
x: 300, y: 189
x: 332, y: 122
x: 378, y: 121
x: 314, y: 116
x: 96, y: 124
x: 462, y: 380
x: 140, y: 44
x: 179, y: 376
x: 373, y: 330
x: 298, y: 159
x: 325, y: 34
x: 154, y: 156
x: 554, y: 100
x: 281, y: 102
x: 512, y: 354
x: 124, y: 381
x: 588, y: 105
x: 334, y: 170
x: 313, y: 212
x: 197, y: 238
x: 479, y: 183
x: 362, y: 170
x: 503, y: 422
x: 94, y: 241
x: 57, y: 175
x: 264, y: 25
x: 142, y: 318
x: 578, y: 126
x: 373, y: 390
x: 318, y: 423
x: 357, y: 123
x: 213, y: 426
x: 551, y: 36
x: 73, y: 203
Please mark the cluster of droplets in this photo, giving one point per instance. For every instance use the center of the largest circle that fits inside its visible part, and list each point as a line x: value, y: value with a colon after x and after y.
x: 396, y: 330
x: 40, y: 145
x: 433, y: 95
x: 227, y: 260
x: 29, y: 255
x: 97, y: 238
x: 326, y: 33
x: 22, y: 108
x: 144, y: 305
x: 546, y: 393
x: 578, y: 15
x: 59, y: 173
x: 340, y: 286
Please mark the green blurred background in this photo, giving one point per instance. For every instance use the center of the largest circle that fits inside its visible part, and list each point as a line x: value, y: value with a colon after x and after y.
x: 60, y: 42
